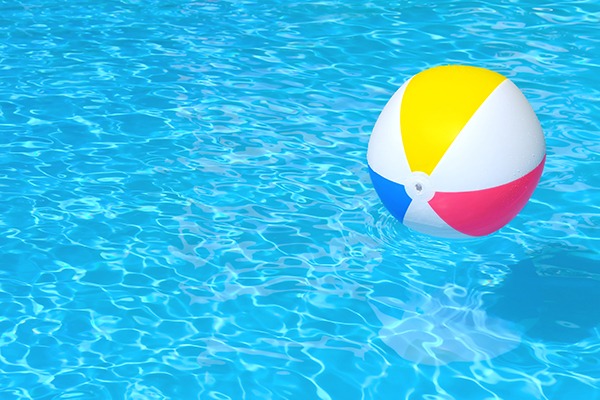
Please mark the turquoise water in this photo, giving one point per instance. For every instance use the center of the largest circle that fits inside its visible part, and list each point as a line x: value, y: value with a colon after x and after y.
x: 186, y: 211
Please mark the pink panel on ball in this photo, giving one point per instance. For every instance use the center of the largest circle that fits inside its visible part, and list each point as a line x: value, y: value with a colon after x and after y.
x: 481, y: 212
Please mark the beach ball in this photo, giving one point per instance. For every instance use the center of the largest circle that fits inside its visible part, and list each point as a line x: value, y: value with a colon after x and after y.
x: 456, y: 152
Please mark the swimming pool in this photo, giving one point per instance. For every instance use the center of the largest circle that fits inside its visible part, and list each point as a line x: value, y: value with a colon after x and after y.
x: 186, y: 211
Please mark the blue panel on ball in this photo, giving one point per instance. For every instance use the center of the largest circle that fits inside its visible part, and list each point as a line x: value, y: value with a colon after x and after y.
x: 392, y: 195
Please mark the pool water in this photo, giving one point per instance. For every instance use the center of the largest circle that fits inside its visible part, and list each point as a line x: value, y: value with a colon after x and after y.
x: 186, y: 211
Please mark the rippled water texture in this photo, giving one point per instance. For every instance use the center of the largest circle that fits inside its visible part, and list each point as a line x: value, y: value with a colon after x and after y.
x: 186, y: 211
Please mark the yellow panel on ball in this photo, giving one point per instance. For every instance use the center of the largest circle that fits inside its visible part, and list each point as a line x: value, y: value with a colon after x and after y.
x: 436, y: 106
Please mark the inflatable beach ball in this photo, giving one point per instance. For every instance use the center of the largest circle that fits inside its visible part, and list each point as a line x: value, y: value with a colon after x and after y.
x: 456, y: 152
